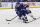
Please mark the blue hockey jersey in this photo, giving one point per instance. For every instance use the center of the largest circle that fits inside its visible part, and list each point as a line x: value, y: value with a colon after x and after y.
x: 19, y: 8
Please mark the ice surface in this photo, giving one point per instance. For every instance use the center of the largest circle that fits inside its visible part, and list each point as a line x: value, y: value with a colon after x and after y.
x: 10, y: 13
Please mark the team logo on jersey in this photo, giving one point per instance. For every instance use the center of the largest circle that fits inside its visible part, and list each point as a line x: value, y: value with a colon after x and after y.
x: 0, y: 4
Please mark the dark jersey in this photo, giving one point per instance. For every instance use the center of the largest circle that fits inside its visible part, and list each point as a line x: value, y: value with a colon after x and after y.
x: 19, y: 8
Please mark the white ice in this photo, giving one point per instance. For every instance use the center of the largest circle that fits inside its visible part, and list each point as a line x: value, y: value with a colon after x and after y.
x: 10, y: 13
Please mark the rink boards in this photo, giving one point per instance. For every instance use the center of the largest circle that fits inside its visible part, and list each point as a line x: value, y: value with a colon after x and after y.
x: 31, y: 4
x: 11, y: 5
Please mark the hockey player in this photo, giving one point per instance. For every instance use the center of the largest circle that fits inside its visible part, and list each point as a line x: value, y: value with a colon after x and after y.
x: 20, y: 11
x: 28, y: 12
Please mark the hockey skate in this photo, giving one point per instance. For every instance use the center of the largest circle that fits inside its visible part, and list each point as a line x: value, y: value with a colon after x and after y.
x: 34, y: 18
x: 25, y: 21
x: 19, y: 18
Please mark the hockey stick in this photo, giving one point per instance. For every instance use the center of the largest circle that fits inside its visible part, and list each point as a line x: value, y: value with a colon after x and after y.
x: 34, y: 20
x: 11, y: 19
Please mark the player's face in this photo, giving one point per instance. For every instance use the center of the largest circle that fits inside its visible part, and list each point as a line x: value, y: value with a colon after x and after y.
x: 18, y: 5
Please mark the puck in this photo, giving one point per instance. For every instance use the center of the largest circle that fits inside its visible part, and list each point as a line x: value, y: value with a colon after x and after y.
x: 8, y: 23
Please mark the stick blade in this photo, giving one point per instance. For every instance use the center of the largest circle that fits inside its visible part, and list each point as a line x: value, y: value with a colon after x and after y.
x: 8, y: 20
